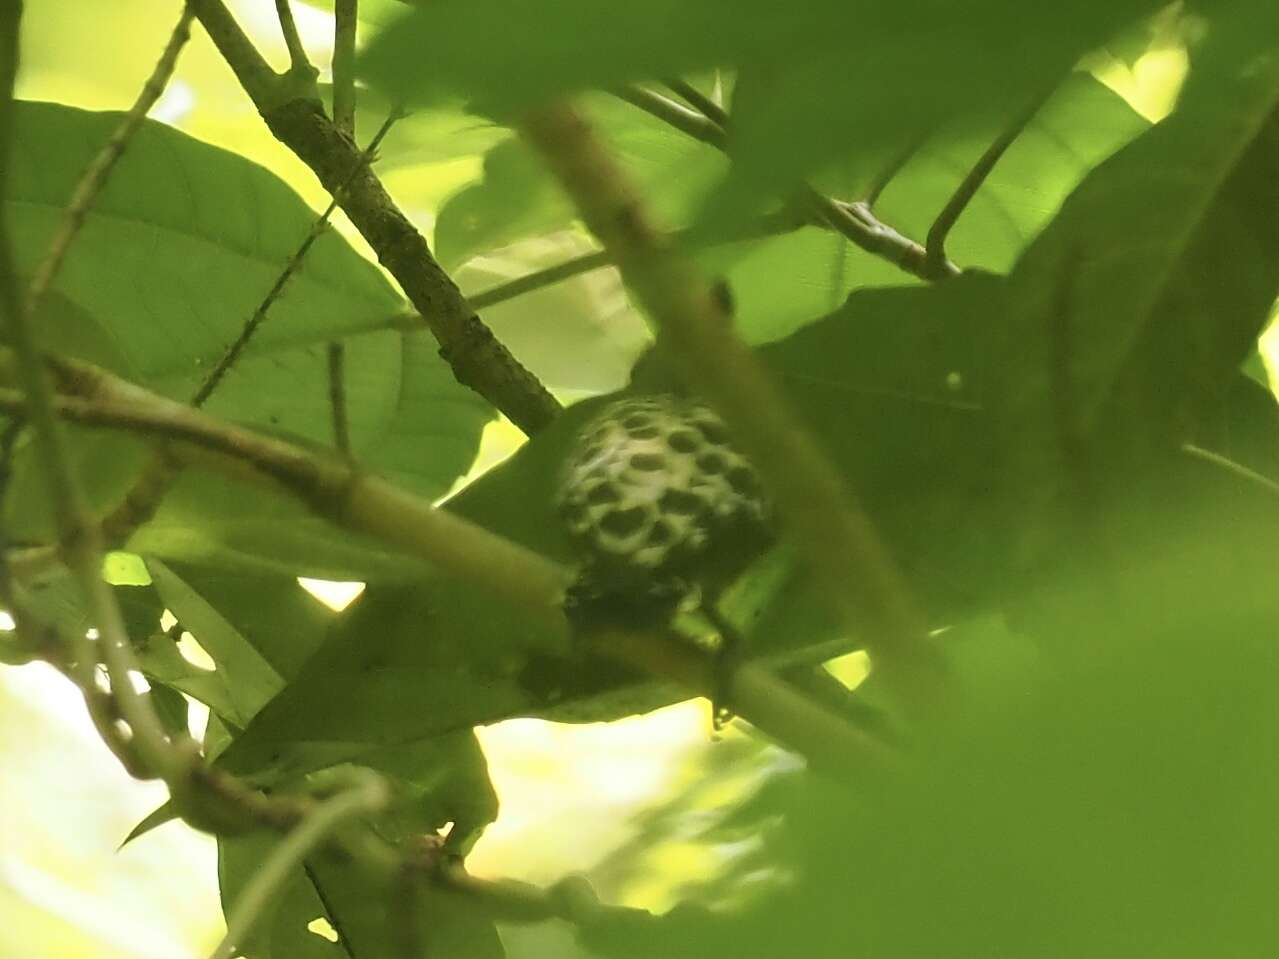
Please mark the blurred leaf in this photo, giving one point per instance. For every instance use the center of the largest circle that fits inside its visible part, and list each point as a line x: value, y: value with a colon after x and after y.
x: 515, y: 199
x: 161, y: 281
x: 1081, y: 124
x: 425, y: 136
x: 781, y: 282
x: 577, y: 336
x: 1121, y: 746
x: 1132, y: 312
x: 802, y: 98
x: 445, y: 780
x: 518, y: 197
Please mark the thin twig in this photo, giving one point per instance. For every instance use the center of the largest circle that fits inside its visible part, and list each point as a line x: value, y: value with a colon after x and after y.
x: 539, y: 279
x: 854, y: 221
x: 865, y: 230
x: 337, y: 398
x: 345, y: 25
x: 298, y: 61
x: 93, y: 179
x: 829, y: 526
x: 229, y: 358
x: 968, y: 187
x: 362, y: 799
x: 699, y: 101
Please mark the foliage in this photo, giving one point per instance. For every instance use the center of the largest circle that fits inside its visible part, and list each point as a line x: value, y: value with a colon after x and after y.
x: 1059, y: 446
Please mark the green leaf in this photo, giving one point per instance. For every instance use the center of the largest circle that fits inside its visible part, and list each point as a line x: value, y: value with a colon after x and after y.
x: 781, y: 282
x: 1133, y: 310
x: 247, y: 680
x: 518, y: 197
x: 176, y: 254
x: 281, y: 620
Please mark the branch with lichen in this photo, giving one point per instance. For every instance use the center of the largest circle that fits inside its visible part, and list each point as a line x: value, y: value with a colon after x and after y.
x: 296, y: 118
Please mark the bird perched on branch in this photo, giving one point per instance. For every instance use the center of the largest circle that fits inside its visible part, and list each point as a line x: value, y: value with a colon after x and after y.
x: 666, y: 512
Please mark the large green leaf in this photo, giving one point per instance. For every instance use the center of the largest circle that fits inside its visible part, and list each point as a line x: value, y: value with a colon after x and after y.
x: 517, y: 196
x: 1118, y: 742
x: 437, y: 782
x: 175, y: 255
x: 1132, y: 312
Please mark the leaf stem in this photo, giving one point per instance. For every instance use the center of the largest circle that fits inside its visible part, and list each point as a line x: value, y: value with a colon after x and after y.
x: 935, y: 244
x: 337, y: 398
x: 229, y: 358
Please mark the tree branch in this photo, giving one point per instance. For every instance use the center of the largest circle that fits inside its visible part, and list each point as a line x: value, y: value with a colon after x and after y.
x: 829, y: 526
x: 339, y: 492
x: 478, y: 359
x: 699, y: 101
x: 265, y: 87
